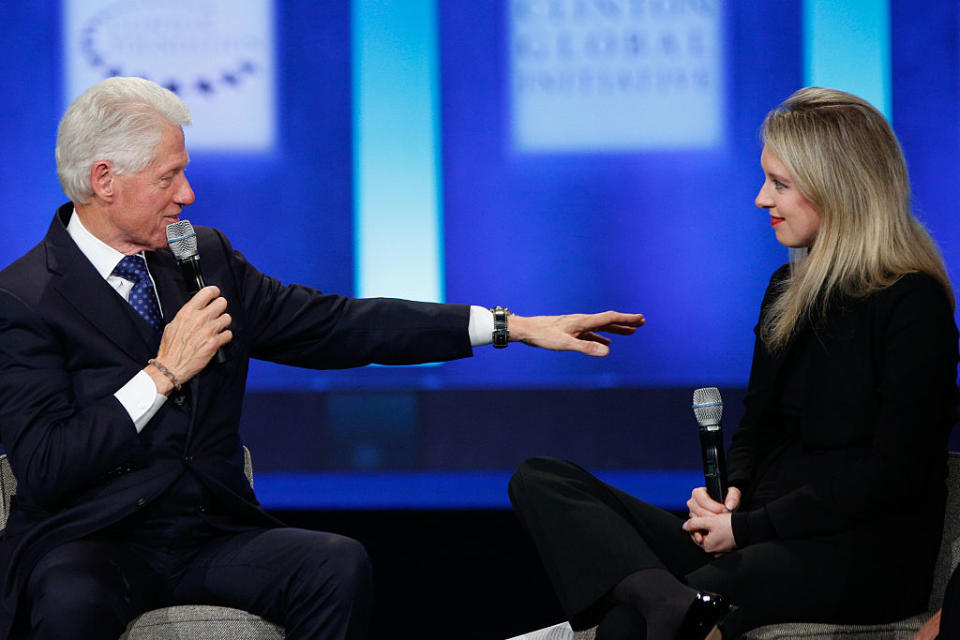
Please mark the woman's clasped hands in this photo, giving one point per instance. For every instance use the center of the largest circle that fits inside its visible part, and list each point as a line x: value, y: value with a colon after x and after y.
x: 710, y: 525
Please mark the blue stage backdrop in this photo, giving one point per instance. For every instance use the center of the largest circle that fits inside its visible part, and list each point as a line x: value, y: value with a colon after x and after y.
x: 551, y: 156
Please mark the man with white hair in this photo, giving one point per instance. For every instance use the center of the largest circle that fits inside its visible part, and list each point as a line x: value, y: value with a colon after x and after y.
x: 122, y: 433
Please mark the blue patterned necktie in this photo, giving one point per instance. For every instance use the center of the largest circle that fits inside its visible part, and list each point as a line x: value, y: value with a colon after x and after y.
x: 142, y: 297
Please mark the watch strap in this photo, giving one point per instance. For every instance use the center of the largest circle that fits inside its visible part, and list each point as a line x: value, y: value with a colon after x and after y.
x: 501, y: 336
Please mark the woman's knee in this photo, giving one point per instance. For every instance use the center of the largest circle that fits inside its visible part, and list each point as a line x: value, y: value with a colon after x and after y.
x: 536, y: 476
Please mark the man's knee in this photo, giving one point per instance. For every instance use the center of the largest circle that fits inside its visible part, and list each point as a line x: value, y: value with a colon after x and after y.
x: 335, y: 566
x: 350, y: 567
x: 69, y: 595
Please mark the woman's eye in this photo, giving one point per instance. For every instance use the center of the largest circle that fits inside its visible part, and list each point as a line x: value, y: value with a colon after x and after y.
x: 779, y: 185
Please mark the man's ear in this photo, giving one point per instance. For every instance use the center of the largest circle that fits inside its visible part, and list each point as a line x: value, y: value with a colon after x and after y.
x: 102, y: 179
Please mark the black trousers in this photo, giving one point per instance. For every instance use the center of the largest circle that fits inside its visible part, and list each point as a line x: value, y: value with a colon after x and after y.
x: 315, y: 584
x: 591, y: 535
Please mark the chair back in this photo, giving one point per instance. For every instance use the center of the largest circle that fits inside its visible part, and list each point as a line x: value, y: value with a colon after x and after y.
x: 8, y: 483
x: 949, y: 556
x: 8, y: 487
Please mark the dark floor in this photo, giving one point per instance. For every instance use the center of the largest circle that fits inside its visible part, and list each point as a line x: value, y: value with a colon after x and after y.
x: 446, y: 574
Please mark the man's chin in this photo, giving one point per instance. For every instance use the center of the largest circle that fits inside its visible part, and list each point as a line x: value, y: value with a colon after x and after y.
x: 159, y: 244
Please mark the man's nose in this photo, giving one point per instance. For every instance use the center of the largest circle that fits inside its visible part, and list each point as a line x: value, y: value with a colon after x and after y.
x: 185, y: 195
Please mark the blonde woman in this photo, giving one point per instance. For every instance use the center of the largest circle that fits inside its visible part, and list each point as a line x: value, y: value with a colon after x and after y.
x: 841, y: 454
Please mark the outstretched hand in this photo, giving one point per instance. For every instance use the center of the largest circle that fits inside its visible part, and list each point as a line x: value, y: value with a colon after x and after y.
x: 575, y: 332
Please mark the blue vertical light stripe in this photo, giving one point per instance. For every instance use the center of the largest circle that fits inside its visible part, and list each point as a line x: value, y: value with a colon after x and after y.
x: 847, y: 47
x: 396, y: 149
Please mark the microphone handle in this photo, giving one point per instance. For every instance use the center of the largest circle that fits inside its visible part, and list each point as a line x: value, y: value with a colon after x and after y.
x: 714, y: 464
x: 193, y: 277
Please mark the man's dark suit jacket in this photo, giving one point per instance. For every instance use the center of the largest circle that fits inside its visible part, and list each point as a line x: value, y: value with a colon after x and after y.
x: 68, y: 342
x: 877, y: 384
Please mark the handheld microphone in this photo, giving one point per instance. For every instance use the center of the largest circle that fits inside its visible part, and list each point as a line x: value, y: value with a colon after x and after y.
x: 708, y: 409
x: 183, y: 243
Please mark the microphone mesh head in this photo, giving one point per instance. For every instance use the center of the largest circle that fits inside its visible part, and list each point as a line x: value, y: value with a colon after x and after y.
x: 182, y: 240
x: 707, y: 406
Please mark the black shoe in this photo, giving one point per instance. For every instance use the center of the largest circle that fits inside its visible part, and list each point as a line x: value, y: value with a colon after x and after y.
x: 704, y: 613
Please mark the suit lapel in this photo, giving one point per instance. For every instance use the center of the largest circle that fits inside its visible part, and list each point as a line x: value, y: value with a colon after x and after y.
x: 82, y: 287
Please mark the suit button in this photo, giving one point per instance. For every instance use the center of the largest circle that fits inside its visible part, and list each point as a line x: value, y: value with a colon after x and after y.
x: 188, y: 459
x: 141, y: 502
x: 203, y: 509
x: 179, y: 399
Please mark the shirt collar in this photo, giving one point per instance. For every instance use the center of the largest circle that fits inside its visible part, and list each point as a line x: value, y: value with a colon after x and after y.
x: 104, y: 257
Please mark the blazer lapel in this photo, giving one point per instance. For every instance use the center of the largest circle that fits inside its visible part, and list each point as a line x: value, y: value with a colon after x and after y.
x: 95, y: 300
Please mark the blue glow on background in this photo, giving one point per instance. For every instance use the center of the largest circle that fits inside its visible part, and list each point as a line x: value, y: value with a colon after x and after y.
x: 397, y: 149
x: 476, y: 490
x: 847, y: 47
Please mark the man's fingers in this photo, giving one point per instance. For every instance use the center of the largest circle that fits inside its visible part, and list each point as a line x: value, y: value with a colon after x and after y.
x: 203, y: 297
x: 591, y: 336
x: 601, y: 321
x: 608, y: 320
x: 575, y: 332
x: 619, y: 329
x: 589, y: 348
x: 217, y: 308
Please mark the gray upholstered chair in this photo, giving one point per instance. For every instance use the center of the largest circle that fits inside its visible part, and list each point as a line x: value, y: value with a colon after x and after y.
x: 185, y: 622
x: 948, y: 559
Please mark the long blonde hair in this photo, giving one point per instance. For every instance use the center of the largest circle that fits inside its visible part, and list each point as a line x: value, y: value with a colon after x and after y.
x: 844, y: 157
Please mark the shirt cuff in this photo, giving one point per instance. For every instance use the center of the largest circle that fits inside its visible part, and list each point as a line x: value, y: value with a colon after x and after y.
x: 140, y: 398
x: 481, y: 326
x: 751, y: 527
